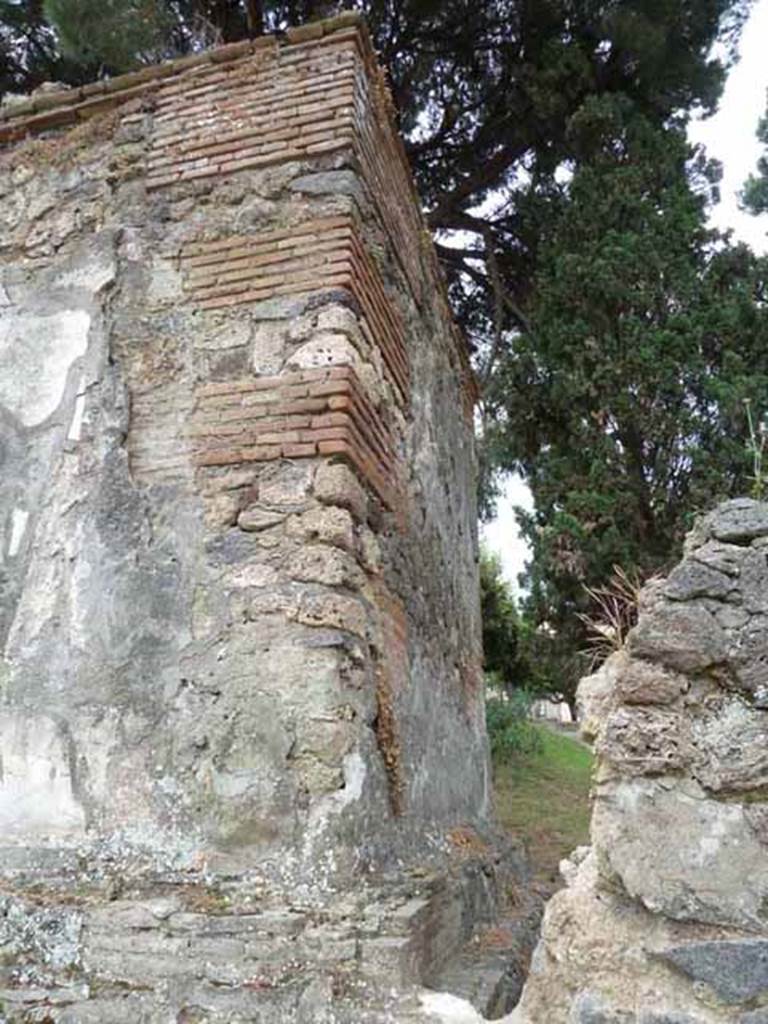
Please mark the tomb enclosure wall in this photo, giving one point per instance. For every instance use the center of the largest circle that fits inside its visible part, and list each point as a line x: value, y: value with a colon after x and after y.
x: 238, y: 589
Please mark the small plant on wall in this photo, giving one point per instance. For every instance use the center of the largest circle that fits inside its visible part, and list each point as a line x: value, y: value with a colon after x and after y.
x: 758, y: 435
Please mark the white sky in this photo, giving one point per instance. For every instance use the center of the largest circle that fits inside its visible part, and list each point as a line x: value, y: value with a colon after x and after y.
x: 730, y: 137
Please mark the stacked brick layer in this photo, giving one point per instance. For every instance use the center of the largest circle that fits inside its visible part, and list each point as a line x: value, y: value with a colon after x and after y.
x: 274, y: 106
x: 313, y: 256
x: 297, y: 415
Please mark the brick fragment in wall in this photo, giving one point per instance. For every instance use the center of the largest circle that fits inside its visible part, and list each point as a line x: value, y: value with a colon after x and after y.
x: 317, y: 254
x: 296, y: 415
x: 392, y: 677
x: 393, y: 635
x: 156, y: 450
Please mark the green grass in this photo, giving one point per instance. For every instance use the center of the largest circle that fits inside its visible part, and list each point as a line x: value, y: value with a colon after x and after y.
x: 543, y: 798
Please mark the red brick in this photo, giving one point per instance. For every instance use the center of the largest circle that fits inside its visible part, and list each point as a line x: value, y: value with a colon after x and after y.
x: 331, y: 387
x: 280, y: 437
x: 300, y: 405
x: 330, y: 419
x: 336, y: 447
x: 325, y: 434
x: 299, y: 451
x: 340, y: 402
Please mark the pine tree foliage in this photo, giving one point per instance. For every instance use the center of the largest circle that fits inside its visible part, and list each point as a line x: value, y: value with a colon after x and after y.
x: 755, y: 194
x: 116, y: 35
x: 501, y: 623
x: 623, y: 405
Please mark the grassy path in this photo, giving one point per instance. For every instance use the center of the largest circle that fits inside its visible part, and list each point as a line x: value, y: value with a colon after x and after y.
x: 544, y: 798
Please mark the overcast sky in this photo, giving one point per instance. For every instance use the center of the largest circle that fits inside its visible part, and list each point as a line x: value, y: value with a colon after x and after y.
x: 730, y: 136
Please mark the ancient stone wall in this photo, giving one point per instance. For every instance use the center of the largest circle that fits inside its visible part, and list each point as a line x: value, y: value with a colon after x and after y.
x: 664, y: 917
x: 238, y: 592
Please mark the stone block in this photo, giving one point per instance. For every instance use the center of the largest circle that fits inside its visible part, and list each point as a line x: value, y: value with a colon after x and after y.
x: 642, y: 682
x: 693, y: 579
x: 339, y: 319
x: 342, y: 182
x: 335, y: 611
x: 715, y: 872
x: 731, y: 742
x: 324, y: 349
x: 268, y: 347
x: 642, y: 741
x: 327, y: 565
x: 739, y: 521
x: 325, y: 525
x: 682, y: 637
x: 735, y: 971
x: 256, y: 518
x: 285, y: 484
x: 336, y: 484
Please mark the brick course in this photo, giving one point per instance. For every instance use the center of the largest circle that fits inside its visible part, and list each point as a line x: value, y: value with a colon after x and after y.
x: 319, y: 254
x: 297, y: 415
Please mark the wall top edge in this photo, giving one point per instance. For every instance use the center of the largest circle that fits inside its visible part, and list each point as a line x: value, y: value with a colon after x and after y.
x: 64, y: 109
x: 46, y: 110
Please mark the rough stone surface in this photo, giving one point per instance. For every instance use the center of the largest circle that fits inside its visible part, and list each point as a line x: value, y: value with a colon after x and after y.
x: 241, y: 714
x: 665, y: 918
x: 735, y: 970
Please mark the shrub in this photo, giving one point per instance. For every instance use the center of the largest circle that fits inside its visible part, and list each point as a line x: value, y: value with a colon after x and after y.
x: 510, y: 729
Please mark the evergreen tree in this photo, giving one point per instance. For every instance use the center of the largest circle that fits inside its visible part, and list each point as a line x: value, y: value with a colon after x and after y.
x: 501, y: 624
x: 623, y: 404
x: 29, y: 50
x: 114, y: 35
x: 755, y: 194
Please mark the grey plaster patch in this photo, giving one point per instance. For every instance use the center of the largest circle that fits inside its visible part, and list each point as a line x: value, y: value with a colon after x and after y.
x: 716, y: 871
x: 19, y: 519
x: 36, y: 353
x: 590, y: 1009
x: 92, y: 272
x: 36, y: 783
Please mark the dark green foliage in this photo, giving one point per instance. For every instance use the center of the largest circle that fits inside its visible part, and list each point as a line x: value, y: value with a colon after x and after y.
x: 755, y: 194
x: 113, y: 34
x: 501, y: 623
x: 29, y: 53
x: 510, y: 729
x: 518, y: 658
x: 623, y: 405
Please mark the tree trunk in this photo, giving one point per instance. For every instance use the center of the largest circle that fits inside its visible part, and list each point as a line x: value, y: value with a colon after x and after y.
x: 254, y: 13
